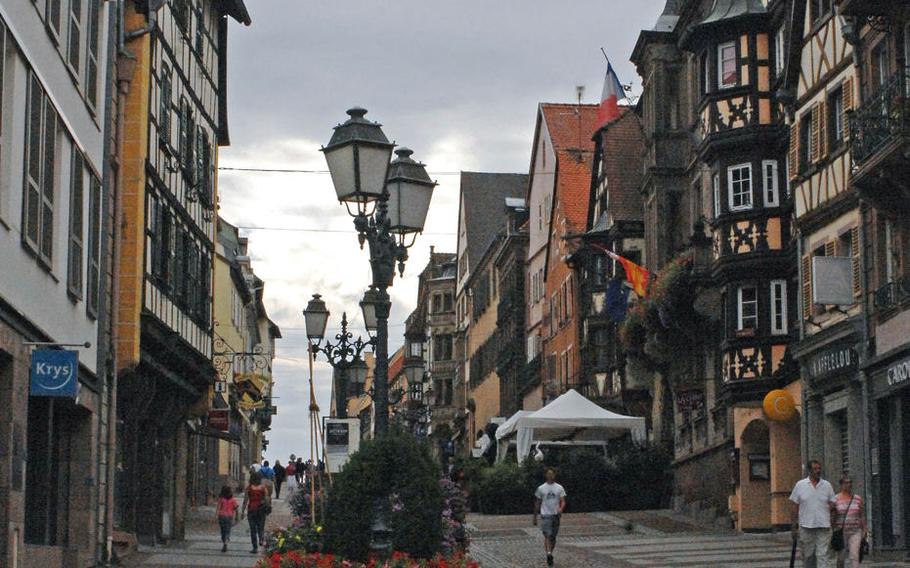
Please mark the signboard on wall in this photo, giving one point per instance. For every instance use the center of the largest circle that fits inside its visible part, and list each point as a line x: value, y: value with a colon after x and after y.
x: 220, y: 419
x: 54, y: 372
x: 832, y: 362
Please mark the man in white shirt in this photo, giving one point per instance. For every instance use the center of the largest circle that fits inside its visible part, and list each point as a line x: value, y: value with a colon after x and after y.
x: 812, y: 499
x: 551, y: 501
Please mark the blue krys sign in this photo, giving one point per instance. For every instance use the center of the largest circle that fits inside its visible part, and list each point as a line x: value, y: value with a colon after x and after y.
x: 54, y: 373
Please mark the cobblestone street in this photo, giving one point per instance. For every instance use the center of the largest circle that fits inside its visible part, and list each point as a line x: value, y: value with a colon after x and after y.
x: 656, y: 539
x: 202, y: 547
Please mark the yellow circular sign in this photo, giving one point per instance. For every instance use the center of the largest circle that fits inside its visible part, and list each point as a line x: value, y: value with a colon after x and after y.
x: 779, y: 405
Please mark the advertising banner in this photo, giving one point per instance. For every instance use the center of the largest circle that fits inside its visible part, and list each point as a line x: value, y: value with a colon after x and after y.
x: 54, y: 372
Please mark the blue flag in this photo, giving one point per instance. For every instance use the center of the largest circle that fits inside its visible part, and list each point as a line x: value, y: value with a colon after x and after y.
x: 617, y: 300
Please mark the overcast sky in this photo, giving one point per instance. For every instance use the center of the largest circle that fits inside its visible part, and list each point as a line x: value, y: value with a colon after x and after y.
x: 458, y: 81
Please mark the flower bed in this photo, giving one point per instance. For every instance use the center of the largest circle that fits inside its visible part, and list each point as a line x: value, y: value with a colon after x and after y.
x: 294, y: 559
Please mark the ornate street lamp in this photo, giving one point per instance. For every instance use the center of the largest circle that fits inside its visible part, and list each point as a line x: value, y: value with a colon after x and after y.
x: 358, y: 159
x: 343, y: 355
x: 316, y: 316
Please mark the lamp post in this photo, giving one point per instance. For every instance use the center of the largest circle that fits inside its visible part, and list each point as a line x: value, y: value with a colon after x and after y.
x: 343, y: 355
x: 389, y: 203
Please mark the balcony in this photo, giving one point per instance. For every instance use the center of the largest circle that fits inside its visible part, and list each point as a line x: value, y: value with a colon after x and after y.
x: 867, y: 8
x: 892, y: 296
x: 880, y: 131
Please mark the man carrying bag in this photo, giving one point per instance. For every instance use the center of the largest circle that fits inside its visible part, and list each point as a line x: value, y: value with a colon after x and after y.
x: 812, y: 499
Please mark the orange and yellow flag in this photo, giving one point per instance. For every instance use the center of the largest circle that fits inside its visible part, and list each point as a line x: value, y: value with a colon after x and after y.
x: 636, y: 275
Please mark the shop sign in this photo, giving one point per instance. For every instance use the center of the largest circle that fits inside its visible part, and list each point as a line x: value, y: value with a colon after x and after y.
x: 689, y: 400
x: 899, y: 372
x: 336, y: 433
x: 832, y: 362
x: 220, y: 419
x: 54, y: 372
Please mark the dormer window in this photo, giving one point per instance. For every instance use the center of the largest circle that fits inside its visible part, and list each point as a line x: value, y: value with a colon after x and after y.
x: 726, y: 65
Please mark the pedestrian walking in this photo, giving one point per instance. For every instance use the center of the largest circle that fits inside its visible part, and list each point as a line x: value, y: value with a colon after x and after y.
x: 280, y: 476
x: 291, y: 476
x: 226, y: 511
x: 850, y: 517
x: 299, y: 470
x: 812, y: 499
x: 550, y: 503
x: 255, y: 500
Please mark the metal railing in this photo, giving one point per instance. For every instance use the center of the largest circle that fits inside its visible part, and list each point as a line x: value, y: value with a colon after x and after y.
x: 881, y: 119
x: 892, y: 294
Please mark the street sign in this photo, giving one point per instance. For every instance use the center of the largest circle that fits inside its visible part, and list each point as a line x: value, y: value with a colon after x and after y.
x: 54, y: 372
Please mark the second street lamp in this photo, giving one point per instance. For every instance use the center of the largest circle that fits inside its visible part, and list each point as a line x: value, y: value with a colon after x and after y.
x: 343, y: 355
x: 357, y: 156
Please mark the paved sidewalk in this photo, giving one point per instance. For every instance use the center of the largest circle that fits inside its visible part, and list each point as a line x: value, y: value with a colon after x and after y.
x: 628, y: 540
x: 202, y: 547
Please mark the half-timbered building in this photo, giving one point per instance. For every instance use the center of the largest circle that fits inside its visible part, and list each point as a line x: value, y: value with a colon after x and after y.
x: 879, y: 132
x: 820, y: 89
x: 177, y: 119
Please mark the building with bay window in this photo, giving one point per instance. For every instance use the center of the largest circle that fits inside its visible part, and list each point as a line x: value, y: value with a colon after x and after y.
x: 718, y: 244
x: 177, y: 111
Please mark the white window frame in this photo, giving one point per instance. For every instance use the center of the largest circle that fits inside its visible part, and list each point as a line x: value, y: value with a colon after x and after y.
x: 778, y: 307
x: 715, y: 183
x: 720, y: 65
x: 730, y: 187
x: 779, y: 62
x: 740, y: 304
x: 770, y: 183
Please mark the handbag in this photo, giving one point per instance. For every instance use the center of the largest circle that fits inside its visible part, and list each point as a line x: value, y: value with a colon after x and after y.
x: 863, y: 549
x: 837, y: 535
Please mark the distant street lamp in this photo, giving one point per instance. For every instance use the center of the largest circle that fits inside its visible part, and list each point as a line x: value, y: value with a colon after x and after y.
x: 390, y: 203
x: 343, y: 355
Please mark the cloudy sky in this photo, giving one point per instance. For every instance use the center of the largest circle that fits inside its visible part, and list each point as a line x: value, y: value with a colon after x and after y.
x: 458, y: 81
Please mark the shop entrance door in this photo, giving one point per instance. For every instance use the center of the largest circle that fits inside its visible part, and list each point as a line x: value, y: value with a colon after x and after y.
x: 894, y: 471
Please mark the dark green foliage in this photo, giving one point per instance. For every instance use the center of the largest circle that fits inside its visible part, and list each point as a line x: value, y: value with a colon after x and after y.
x: 399, y: 473
x: 634, y: 477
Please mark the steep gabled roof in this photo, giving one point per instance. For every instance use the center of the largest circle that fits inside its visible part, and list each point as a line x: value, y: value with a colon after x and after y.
x: 483, y: 197
x: 570, y: 125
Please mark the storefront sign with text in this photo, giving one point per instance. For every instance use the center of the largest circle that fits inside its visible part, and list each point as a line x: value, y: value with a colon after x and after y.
x: 832, y: 362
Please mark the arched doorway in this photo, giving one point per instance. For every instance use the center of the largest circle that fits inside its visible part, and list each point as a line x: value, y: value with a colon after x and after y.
x: 755, y: 477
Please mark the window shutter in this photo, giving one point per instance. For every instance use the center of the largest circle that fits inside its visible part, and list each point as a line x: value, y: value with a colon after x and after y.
x: 857, y: 267
x: 816, y: 121
x: 830, y: 249
x: 793, y: 158
x: 822, y: 130
x: 807, y: 286
x: 848, y: 105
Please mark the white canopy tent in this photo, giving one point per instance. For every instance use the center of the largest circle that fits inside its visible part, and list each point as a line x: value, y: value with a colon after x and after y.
x: 571, y: 419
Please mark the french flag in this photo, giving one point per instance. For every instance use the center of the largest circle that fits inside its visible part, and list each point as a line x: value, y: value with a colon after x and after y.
x: 609, y: 100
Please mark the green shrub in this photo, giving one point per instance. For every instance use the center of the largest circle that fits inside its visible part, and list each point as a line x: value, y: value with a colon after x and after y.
x: 504, y: 490
x: 632, y: 478
x: 401, y: 475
